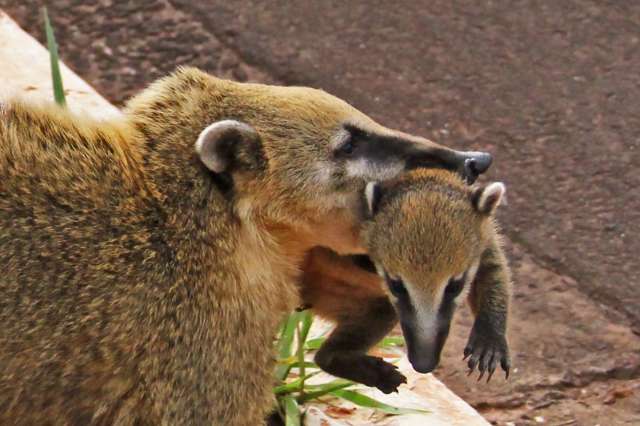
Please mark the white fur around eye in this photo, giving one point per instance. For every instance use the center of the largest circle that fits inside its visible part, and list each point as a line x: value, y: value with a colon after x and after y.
x: 339, y: 138
x: 367, y: 169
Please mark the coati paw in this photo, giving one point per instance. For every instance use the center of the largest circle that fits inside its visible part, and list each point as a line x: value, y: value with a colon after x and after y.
x: 485, y: 349
x: 368, y: 370
x: 381, y: 374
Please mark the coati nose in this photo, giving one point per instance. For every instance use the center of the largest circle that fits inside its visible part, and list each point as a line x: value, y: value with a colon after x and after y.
x: 481, y: 161
x: 423, y: 361
x: 424, y: 365
x: 475, y: 164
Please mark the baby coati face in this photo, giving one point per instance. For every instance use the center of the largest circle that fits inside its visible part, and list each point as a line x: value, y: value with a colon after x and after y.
x: 425, y: 233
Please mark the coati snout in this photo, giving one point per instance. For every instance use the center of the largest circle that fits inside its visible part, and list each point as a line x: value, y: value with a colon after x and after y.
x: 425, y: 338
x: 374, y: 151
x: 426, y: 233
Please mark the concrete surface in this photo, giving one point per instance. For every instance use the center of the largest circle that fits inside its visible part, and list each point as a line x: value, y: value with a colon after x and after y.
x: 26, y: 73
x: 550, y: 88
x: 423, y: 392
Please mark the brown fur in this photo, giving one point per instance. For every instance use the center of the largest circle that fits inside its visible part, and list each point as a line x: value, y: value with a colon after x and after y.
x: 432, y: 204
x: 120, y: 289
x: 422, y: 203
x: 430, y: 228
x: 135, y: 288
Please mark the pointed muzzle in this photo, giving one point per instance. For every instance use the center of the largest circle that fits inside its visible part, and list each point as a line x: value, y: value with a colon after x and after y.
x: 474, y: 164
x: 468, y: 164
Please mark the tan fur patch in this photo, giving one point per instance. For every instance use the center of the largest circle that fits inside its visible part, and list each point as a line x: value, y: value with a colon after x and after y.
x: 427, y: 231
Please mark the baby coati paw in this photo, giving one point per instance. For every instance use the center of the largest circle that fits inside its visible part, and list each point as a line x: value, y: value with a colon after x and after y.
x: 368, y: 370
x: 485, y: 349
x: 381, y: 374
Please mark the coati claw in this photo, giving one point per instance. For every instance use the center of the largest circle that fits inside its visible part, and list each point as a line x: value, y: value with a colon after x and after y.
x: 383, y: 375
x: 489, y: 376
x: 505, y: 363
x: 467, y: 352
x: 492, y: 368
x: 473, y: 361
x: 482, y: 366
x: 485, y: 349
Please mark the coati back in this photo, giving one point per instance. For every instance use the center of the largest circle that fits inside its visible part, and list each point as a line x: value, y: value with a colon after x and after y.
x: 427, y: 233
x: 147, y: 261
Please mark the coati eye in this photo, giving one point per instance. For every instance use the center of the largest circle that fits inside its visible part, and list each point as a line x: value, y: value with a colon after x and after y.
x: 455, y: 286
x: 347, y: 147
x: 396, y: 286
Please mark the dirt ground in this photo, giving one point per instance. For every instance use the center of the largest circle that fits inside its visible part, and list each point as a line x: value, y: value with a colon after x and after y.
x: 550, y: 88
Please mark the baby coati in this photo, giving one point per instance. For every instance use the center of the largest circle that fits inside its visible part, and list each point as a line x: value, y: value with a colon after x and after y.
x: 147, y: 260
x: 433, y: 241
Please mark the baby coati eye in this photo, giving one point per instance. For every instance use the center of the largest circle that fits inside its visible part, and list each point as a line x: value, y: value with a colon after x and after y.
x: 347, y: 147
x: 455, y: 286
x: 396, y: 286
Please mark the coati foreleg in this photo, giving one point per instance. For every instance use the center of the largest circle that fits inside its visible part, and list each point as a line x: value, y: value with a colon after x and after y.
x: 339, y: 290
x: 489, y: 300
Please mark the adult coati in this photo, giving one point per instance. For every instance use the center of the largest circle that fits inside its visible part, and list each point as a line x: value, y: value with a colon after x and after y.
x: 144, y: 275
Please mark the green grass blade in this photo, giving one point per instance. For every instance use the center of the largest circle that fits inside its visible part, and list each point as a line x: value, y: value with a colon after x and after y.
x: 316, y: 391
x: 56, y: 76
x: 288, y: 361
x: 300, y: 353
x: 307, y: 364
x: 306, y: 319
x: 313, y: 344
x: 291, y: 411
x: 293, y: 386
x: 304, y: 325
x: 284, y: 346
x: 392, y: 341
x: 366, y: 401
x: 331, y: 383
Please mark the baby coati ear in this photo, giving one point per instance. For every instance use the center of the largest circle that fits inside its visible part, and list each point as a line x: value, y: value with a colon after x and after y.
x: 486, y: 198
x: 229, y: 145
x: 372, y: 194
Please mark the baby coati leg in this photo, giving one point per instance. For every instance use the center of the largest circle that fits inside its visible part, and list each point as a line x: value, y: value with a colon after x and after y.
x: 489, y: 300
x: 339, y: 289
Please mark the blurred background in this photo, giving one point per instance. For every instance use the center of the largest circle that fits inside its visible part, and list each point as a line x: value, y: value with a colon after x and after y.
x: 551, y: 88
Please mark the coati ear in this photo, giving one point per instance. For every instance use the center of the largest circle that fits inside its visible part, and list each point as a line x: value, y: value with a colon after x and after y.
x: 229, y: 144
x: 485, y: 199
x: 372, y: 194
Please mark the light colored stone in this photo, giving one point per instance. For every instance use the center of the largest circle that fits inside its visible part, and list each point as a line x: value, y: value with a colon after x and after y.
x: 25, y: 72
x: 422, y: 391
